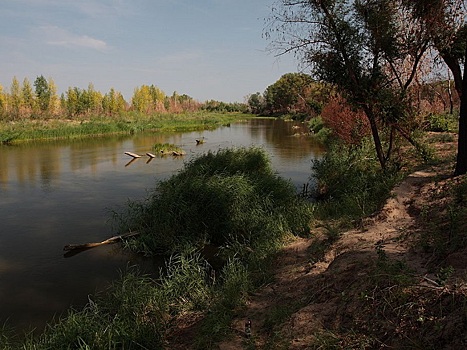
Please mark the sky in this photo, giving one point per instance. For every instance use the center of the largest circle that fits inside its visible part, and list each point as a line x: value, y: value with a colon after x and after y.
x: 207, y: 49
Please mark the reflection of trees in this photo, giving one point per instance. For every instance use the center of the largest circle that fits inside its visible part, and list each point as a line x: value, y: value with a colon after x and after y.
x: 43, y: 162
x: 280, y: 135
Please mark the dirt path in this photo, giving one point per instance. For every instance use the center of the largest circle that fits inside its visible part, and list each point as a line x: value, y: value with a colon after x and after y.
x: 306, y: 294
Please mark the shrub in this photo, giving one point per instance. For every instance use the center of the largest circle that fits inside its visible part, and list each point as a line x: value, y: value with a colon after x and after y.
x: 231, y: 195
x: 441, y: 123
x: 350, y: 182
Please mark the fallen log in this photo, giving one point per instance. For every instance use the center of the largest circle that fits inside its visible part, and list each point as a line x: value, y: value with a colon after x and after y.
x: 114, y: 239
x: 131, y: 154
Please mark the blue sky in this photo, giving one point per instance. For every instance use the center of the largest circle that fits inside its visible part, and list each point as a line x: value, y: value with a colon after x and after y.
x: 208, y: 49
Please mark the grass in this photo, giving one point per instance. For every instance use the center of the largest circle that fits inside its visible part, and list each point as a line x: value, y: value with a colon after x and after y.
x: 167, y: 148
x: 126, y: 123
x: 231, y: 198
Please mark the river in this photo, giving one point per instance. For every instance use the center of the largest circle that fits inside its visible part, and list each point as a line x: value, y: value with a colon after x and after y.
x: 60, y: 192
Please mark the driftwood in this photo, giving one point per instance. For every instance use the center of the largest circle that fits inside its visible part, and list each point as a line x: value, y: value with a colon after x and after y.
x: 84, y: 246
x: 150, y: 155
x: 131, y: 154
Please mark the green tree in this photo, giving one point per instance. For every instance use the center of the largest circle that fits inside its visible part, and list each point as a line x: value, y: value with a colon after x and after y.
x: 256, y: 103
x: 368, y: 49
x: 43, y: 93
x: 288, y: 94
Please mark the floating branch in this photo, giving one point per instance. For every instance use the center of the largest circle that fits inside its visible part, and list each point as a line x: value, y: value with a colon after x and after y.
x: 131, y: 154
x: 150, y: 155
x: 84, y: 246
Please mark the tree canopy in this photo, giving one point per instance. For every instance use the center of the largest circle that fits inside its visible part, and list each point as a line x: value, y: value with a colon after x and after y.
x: 370, y: 50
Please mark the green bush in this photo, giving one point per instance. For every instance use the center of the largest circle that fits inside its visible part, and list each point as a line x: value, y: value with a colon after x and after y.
x: 231, y: 195
x: 350, y: 182
x: 441, y: 123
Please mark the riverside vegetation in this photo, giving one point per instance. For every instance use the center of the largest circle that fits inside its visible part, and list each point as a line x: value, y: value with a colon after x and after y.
x: 246, y: 213
x: 125, y: 123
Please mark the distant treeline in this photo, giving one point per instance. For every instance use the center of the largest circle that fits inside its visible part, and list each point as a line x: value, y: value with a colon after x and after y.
x: 300, y: 95
x: 296, y: 94
x: 41, y: 100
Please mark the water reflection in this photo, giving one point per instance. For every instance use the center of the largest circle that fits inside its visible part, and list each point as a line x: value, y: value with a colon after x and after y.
x: 58, y: 193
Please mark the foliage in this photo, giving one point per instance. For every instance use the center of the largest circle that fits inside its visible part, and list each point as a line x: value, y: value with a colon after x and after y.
x: 219, y: 198
x: 347, y: 124
x: 364, y: 49
x: 350, y: 184
x: 441, y: 123
x: 256, y: 103
x: 293, y: 93
x: 319, y: 130
x: 43, y: 93
x: 219, y: 106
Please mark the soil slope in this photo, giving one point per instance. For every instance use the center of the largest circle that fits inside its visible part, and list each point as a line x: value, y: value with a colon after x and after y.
x: 349, y: 295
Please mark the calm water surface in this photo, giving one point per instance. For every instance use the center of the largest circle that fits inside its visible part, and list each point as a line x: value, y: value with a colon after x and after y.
x: 57, y: 193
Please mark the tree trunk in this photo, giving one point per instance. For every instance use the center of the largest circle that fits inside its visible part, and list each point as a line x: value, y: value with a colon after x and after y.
x: 461, y: 164
x: 376, y: 138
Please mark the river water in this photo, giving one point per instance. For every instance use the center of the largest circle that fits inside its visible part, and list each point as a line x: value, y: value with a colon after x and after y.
x: 58, y: 193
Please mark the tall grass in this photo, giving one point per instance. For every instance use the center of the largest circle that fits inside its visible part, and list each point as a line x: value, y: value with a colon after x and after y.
x: 231, y: 196
x: 351, y: 184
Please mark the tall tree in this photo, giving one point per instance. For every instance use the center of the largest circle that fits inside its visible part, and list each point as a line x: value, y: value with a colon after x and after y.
x: 43, y: 93
x: 288, y: 92
x: 3, y: 102
x: 369, y: 49
x: 28, y: 96
x: 445, y: 21
x: 15, y: 97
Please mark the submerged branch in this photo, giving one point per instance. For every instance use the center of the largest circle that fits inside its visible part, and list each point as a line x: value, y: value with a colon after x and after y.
x: 85, y: 246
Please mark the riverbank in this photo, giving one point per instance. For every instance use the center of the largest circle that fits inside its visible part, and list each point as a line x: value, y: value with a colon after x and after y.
x: 126, y: 123
x: 395, y: 278
x: 396, y: 281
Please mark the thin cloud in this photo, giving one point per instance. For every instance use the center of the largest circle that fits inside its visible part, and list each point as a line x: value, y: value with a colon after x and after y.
x: 61, y: 37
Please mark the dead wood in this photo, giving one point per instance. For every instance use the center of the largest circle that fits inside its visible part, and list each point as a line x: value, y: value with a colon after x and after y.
x: 86, y: 246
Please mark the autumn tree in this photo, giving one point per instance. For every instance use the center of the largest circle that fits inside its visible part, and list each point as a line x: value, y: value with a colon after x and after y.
x: 3, y: 102
x: 347, y: 123
x: 27, y: 97
x: 113, y: 102
x: 369, y: 50
x: 15, y: 98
